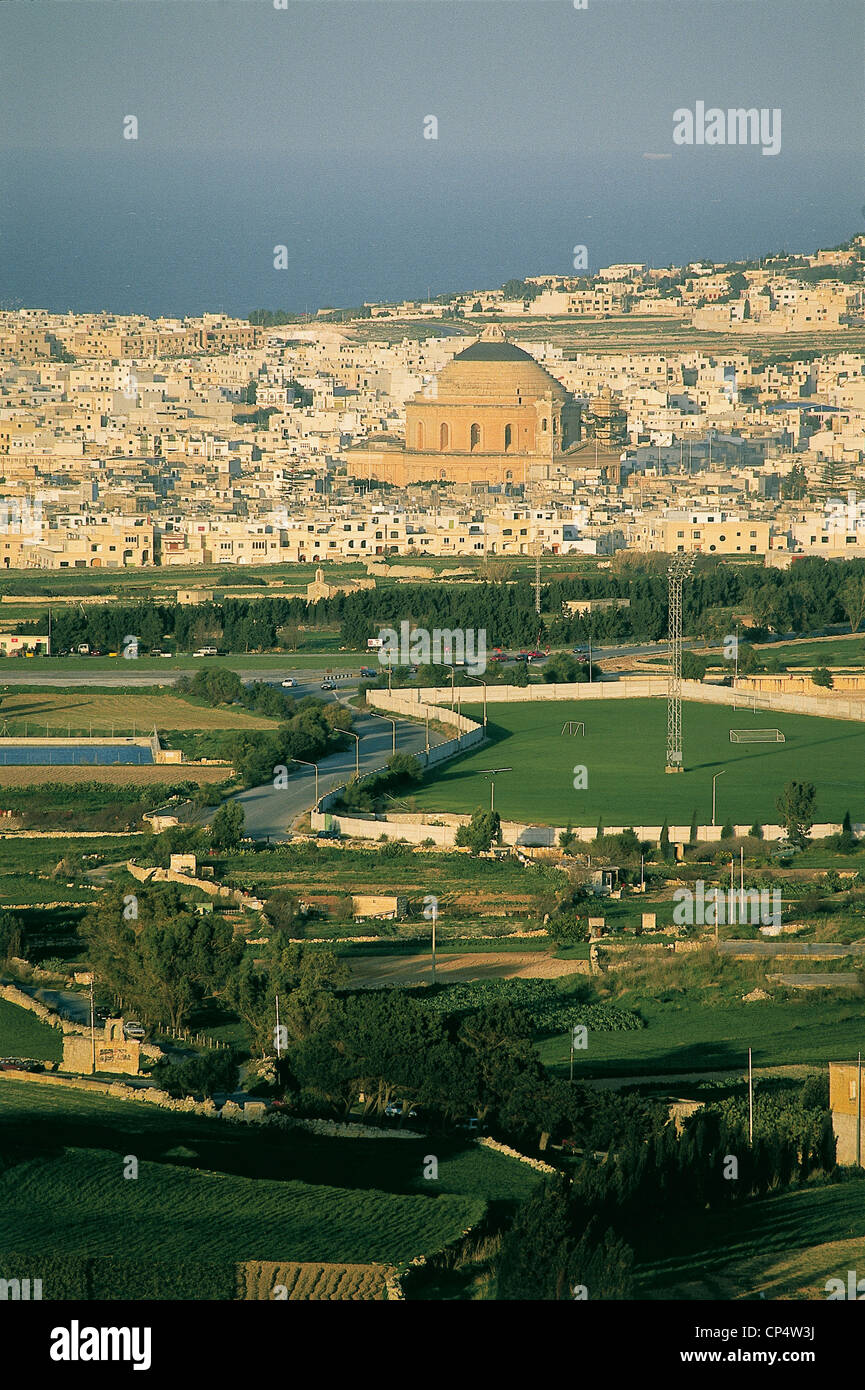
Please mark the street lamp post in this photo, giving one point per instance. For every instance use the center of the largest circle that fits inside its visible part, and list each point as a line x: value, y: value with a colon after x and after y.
x: 390, y: 721
x: 492, y: 773
x: 314, y: 767
x: 356, y: 737
x: 477, y: 681
x: 714, y: 780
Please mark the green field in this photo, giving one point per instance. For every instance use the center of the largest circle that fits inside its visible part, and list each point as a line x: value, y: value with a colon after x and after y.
x: 81, y: 1204
x: 783, y: 1247
x: 692, y: 1036
x: 22, y: 1034
x: 228, y: 1192
x: 624, y: 752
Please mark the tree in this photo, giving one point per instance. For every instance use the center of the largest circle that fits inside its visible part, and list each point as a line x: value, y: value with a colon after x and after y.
x: 567, y: 838
x: 479, y: 834
x: 692, y: 833
x: 852, y: 596
x: 728, y: 830
x: 693, y: 666
x: 164, y: 958
x: 10, y: 936
x: 227, y: 826
x: 796, y: 809
x: 537, y: 1251
x: 756, y: 831
x: 823, y: 677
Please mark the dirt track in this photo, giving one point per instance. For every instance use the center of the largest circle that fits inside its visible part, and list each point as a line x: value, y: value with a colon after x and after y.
x: 374, y: 970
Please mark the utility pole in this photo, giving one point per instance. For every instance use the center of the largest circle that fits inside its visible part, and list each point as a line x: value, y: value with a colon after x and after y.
x: 278, y: 1047
x: 750, y: 1100
x: 538, y: 576
x: 435, y: 913
x: 92, y: 1032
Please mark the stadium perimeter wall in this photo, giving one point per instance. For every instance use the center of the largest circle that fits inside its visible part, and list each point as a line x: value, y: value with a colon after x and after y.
x: 434, y: 702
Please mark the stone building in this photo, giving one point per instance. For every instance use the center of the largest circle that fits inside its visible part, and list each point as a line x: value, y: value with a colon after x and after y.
x: 847, y: 1111
x: 492, y: 416
x: 111, y: 1051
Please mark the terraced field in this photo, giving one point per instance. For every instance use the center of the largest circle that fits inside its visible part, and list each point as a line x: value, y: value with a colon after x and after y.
x: 259, y: 1280
x: 81, y: 1204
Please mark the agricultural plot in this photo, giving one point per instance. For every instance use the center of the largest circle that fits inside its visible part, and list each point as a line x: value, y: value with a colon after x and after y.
x: 81, y: 1205
x: 691, y: 1037
x: 623, y: 752
x: 22, y: 1034
x: 76, y: 712
x: 304, y: 1282
x: 782, y: 1247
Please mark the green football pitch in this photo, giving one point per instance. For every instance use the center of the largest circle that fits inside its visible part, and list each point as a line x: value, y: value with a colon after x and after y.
x: 623, y: 751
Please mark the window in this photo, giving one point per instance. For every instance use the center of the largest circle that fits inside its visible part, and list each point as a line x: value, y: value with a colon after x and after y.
x: 444, y: 438
x: 420, y: 436
x: 474, y: 437
x: 507, y: 438
x: 544, y: 424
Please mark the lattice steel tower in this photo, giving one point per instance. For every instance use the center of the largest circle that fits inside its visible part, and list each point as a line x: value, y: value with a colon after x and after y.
x: 680, y: 568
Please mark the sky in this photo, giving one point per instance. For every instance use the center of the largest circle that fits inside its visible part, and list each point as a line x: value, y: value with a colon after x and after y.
x: 304, y: 127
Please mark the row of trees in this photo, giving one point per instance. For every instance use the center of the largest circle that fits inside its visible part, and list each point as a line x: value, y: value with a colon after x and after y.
x: 798, y: 600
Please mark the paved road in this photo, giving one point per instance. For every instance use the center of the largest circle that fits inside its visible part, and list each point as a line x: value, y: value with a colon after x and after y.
x: 309, y: 680
x: 271, y: 811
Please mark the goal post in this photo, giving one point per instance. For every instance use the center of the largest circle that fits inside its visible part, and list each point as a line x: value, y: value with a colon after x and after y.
x: 757, y: 736
x: 573, y: 727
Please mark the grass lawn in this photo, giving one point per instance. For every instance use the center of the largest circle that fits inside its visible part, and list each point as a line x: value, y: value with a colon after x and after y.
x: 623, y: 751
x: 783, y: 1247
x: 321, y: 655
x: 110, y: 711
x: 691, y: 1036
x: 828, y: 651
x: 22, y: 1034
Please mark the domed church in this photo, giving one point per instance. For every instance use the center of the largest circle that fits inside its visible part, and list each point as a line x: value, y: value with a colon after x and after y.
x: 492, y: 415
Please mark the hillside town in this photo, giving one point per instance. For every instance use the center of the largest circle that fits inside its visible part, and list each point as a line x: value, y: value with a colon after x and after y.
x: 130, y: 442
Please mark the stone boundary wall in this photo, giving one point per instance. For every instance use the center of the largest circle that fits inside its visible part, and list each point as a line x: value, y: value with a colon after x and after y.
x: 535, y: 1163
x: 643, y: 687
x: 151, y: 874
x: 469, y: 735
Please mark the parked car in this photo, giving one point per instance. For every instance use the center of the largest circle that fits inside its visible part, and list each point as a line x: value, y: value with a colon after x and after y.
x: 205, y: 651
x: 327, y: 835
x: 499, y: 656
x: 394, y: 1110
x: 133, y: 1029
x: 289, y: 683
x: 473, y: 1125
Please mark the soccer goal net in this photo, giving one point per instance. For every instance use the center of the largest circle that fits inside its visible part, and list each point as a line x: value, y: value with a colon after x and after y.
x: 574, y: 727
x: 757, y: 736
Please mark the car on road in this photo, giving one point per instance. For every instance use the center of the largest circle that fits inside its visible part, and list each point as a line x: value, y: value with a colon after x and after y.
x: 499, y: 656
x: 289, y: 683
x: 205, y: 651
x: 328, y: 685
x: 133, y: 1030
x: 367, y: 673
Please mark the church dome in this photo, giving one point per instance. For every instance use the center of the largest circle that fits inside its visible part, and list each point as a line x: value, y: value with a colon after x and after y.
x: 495, y: 371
